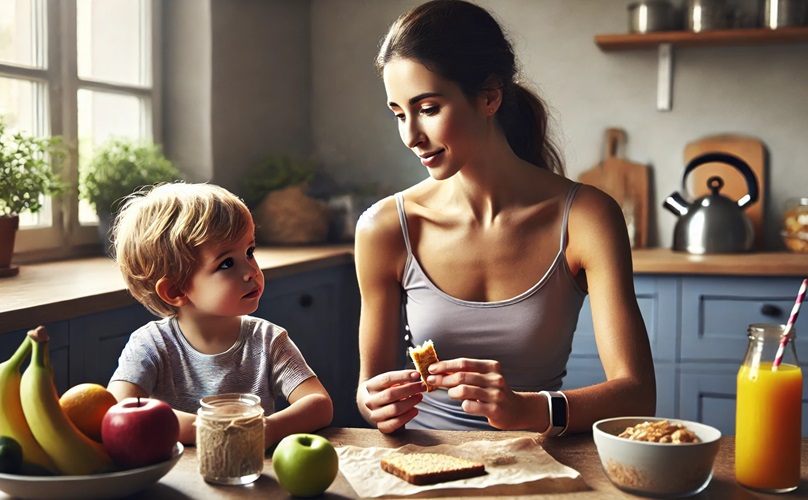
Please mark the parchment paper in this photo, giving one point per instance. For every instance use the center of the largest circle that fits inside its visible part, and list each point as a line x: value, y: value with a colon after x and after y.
x: 513, y: 466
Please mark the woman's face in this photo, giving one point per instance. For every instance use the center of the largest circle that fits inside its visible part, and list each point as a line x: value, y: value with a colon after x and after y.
x: 435, y: 118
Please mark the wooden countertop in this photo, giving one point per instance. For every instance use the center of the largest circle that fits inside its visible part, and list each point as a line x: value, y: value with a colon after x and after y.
x: 55, y: 291
x: 576, y: 451
x: 666, y: 261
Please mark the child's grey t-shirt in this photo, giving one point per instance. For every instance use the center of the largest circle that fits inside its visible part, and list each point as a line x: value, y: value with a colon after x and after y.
x: 264, y: 361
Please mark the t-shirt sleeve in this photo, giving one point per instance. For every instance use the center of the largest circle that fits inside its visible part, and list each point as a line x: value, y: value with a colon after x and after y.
x: 289, y: 368
x: 138, y: 361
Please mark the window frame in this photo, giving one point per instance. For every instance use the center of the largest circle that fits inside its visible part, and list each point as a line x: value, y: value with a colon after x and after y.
x: 58, y: 116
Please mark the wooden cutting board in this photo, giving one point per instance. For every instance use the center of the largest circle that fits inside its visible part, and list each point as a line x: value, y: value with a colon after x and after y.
x: 750, y: 150
x: 626, y: 182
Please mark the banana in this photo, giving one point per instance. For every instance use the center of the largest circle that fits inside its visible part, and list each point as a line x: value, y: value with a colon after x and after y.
x: 71, y: 451
x: 12, y: 418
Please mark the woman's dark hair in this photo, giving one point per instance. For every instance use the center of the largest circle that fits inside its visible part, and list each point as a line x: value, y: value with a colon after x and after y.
x: 463, y: 43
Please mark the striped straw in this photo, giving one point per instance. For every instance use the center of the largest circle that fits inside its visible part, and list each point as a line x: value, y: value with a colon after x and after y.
x: 790, y: 325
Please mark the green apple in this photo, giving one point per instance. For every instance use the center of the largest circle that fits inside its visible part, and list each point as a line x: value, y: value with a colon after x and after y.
x: 305, y: 464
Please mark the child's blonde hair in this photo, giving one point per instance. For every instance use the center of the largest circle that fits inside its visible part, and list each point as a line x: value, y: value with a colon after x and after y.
x: 158, y: 231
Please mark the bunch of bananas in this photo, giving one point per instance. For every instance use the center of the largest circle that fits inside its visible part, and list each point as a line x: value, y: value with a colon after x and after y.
x: 30, y: 414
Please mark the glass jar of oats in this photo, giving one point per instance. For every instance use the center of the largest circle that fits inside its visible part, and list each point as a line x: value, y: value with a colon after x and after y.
x: 795, y: 224
x: 230, y: 438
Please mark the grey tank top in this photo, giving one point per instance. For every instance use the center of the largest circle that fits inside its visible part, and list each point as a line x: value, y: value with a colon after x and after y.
x: 530, y: 334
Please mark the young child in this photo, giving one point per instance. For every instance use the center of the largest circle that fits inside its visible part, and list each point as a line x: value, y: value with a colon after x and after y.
x: 186, y: 253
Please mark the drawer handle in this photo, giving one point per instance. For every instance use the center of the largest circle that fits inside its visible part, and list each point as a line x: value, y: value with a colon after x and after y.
x: 771, y: 310
x: 306, y: 300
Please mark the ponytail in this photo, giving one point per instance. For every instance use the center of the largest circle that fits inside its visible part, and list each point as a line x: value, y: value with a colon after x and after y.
x: 525, y: 119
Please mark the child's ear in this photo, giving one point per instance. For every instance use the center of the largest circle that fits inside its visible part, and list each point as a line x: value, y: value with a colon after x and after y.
x: 170, y: 292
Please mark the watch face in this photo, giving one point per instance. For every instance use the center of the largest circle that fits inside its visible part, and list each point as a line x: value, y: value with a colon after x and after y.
x: 559, y: 411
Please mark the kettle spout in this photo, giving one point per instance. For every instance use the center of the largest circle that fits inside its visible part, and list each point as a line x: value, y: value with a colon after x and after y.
x: 676, y: 204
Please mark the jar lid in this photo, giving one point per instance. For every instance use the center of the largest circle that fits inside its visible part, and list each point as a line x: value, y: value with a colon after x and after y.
x: 230, y: 406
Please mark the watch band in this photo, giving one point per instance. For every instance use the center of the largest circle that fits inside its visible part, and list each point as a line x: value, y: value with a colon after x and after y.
x: 558, y: 412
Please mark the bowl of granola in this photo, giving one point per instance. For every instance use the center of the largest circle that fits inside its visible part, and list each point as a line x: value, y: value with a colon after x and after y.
x: 657, y: 457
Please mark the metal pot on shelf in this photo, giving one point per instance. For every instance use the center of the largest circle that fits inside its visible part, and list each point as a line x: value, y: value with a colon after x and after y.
x: 714, y: 223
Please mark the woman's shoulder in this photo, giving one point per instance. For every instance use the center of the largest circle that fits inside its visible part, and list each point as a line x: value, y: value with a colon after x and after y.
x: 597, y: 228
x: 379, y: 219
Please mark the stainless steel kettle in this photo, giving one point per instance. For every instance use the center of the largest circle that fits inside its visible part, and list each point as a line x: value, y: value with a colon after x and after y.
x: 714, y: 223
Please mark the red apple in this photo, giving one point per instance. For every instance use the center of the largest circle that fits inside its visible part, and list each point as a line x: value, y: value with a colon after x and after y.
x: 138, y: 432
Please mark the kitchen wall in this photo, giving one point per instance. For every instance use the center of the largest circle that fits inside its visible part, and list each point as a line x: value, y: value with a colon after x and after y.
x: 297, y: 76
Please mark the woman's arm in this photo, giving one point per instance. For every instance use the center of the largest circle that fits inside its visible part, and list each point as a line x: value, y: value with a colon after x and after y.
x: 310, y: 408
x: 386, y: 398
x: 599, y: 246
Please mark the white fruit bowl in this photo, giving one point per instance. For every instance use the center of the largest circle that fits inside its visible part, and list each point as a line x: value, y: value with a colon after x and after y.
x: 107, y: 485
x: 656, y: 469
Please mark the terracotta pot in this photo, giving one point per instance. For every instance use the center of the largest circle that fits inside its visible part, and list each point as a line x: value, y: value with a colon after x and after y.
x: 8, y: 233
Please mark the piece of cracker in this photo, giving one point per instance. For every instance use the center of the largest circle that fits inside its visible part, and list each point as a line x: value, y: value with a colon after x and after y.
x: 423, y: 356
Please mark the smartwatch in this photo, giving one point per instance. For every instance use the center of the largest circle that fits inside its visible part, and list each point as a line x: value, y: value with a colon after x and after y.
x: 558, y: 413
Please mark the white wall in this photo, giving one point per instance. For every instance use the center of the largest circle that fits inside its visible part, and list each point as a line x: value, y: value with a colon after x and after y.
x: 759, y: 91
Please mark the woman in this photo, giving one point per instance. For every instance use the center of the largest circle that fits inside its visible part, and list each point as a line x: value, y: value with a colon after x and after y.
x: 492, y: 255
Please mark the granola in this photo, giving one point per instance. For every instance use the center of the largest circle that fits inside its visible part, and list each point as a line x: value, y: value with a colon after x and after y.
x: 660, y: 432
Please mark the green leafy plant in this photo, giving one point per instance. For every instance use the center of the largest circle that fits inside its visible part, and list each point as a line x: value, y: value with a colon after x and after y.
x: 274, y: 172
x: 121, y: 166
x: 29, y: 169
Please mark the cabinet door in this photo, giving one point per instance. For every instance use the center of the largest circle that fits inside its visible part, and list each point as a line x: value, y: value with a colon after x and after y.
x: 656, y: 297
x: 58, y: 348
x: 716, y: 312
x: 96, y: 342
x: 320, y: 310
x: 707, y: 395
x: 583, y: 373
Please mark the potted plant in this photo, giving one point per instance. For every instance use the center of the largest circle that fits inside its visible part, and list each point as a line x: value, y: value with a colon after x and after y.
x: 118, y: 168
x: 28, y: 171
x: 276, y: 191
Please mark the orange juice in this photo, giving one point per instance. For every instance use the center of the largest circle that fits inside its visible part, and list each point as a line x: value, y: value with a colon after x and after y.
x: 768, y: 427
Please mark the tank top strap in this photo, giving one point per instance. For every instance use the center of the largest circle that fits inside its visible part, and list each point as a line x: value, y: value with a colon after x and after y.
x: 568, y: 205
x: 402, y: 219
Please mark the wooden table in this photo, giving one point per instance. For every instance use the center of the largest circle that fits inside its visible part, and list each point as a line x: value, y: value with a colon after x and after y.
x: 576, y: 451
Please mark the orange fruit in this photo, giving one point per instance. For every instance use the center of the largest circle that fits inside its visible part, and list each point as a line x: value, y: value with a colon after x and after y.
x: 85, y: 405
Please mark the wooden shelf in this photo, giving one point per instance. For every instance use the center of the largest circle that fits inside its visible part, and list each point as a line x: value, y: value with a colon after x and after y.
x: 757, y: 36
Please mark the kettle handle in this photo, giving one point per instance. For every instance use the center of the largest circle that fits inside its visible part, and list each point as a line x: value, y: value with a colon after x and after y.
x: 739, y: 164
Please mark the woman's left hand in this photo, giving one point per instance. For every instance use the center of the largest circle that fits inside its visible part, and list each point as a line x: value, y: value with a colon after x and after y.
x: 483, y: 389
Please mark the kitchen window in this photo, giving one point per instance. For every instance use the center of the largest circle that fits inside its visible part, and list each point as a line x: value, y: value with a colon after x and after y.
x: 83, y: 70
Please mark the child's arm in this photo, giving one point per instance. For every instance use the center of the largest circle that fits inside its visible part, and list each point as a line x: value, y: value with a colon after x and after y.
x: 122, y: 390
x: 310, y: 408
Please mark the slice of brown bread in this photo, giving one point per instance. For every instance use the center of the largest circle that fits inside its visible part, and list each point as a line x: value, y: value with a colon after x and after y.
x: 423, y: 356
x: 430, y: 468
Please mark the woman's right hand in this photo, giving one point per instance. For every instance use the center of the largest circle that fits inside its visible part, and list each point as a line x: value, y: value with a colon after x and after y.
x: 390, y: 398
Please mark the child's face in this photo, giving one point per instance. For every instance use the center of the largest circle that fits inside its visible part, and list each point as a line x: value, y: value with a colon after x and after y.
x: 227, y: 280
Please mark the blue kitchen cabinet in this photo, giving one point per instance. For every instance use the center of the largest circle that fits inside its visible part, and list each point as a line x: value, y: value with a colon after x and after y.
x: 320, y: 311
x: 716, y: 312
x: 96, y: 341
x: 697, y: 327
x: 708, y: 395
x: 58, y: 349
x: 656, y: 299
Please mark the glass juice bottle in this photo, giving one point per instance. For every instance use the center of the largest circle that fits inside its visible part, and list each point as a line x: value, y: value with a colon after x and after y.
x: 768, y: 414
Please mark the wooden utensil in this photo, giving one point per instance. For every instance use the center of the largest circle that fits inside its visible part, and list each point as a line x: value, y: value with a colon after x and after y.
x: 626, y: 182
x: 750, y: 150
